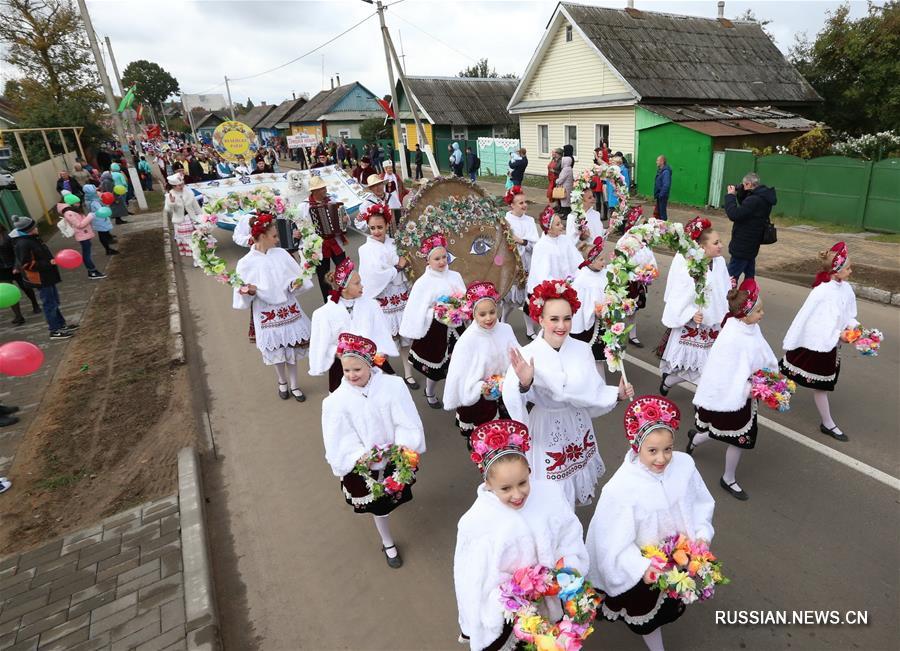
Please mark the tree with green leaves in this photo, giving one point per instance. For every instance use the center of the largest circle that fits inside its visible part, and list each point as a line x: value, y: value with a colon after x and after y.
x: 854, y: 65
x: 372, y: 129
x: 483, y: 70
x: 750, y: 17
x: 153, y: 84
x: 250, y: 104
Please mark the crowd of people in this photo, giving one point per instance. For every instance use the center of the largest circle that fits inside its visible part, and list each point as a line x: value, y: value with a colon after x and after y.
x: 526, y: 412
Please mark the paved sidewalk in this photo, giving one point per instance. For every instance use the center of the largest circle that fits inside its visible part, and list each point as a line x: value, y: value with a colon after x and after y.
x: 115, y: 585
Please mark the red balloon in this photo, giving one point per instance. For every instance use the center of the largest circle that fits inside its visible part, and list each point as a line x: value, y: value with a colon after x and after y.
x: 19, y: 358
x: 68, y: 258
x: 108, y: 198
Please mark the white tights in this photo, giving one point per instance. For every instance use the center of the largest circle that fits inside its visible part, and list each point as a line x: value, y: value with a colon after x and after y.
x: 286, y: 372
x: 732, y: 458
x: 384, y: 530
x: 632, y: 334
x: 672, y: 379
x: 430, y: 388
x: 654, y: 640
x: 404, y: 357
x: 821, y: 400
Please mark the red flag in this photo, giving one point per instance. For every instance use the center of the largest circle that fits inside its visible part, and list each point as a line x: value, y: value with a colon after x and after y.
x: 153, y: 131
x: 140, y: 112
x: 387, y: 108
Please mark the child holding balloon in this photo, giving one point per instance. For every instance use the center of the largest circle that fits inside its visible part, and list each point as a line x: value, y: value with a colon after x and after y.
x: 84, y: 233
x: 102, y: 222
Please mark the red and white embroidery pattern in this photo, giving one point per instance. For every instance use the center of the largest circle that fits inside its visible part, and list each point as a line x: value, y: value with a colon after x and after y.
x: 279, y: 316
x: 572, y: 458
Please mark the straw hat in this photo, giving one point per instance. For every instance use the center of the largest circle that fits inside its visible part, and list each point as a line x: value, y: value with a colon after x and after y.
x: 316, y: 183
x: 373, y: 180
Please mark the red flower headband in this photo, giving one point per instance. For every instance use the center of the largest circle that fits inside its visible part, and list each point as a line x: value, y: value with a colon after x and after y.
x: 260, y: 224
x: 342, y: 275
x: 841, y: 254
x: 431, y: 243
x: 378, y: 210
x: 648, y: 413
x: 634, y: 214
x: 546, y: 218
x: 696, y: 226
x: 548, y: 291
x: 496, y: 439
x: 511, y: 194
x: 749, y: 285
x: 357, y: 346
x: 480, y: 290
x: 595, y: 251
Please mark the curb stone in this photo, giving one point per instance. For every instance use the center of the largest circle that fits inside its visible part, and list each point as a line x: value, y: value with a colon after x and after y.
x: 876, y: 295
x: 174, y: 309
x: 201, y: 619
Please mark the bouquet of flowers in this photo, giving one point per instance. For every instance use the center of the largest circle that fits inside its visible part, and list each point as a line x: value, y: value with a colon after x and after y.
x: 451, y: 310
x: 866, y: 340
x: 210, y: 263
x: 685, y: 569
x: 646, y: 274
x: 492, y: 387
x: 526, y: 589
x: 310, y: 248
x: 405, y: 463
x: 772, y: 388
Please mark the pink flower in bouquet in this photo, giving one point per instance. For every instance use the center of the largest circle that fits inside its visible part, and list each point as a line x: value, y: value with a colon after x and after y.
x: 223, y: 278
x: 279, y: 206
x: 618, y: 328
x: 391, y: 485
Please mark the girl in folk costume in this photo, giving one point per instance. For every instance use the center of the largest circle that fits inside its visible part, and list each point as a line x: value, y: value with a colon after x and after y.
x: 724, y: 409
x: 557, y: 374
x: 525, y: 235
x: 514, y: 524
x: 811, y: 355
x: 692, y: 330
x: 393, y: 188
x: 368, y: 410
x: 383, y: 277
x: 480, y: 359
x: 346, y: 310
x: 592, y: 222
x: 272, y: 282
x: 590, y: 284
x: 655, y: 493
x: 554, y: 256
x: 636, y: 290
x: 182, y: 209
x: 432, y: 340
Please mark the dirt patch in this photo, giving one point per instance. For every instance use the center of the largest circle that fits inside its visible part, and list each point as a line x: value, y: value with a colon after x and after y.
x: 115, y: 415
x: 804, y: 271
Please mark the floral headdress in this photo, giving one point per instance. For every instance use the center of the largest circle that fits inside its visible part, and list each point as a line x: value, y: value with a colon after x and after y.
x: 350, y: 345
x: 841, y: 254
x: 749, y: 285
x: 478, y: 291
x: 432, y: 242
x: 648, y: 413
x: 595, y: 251
x: 377, y: 210
x: 633, y: 216
x: 550, y: 290
x: 260, y: 223
x: 546, y: 218
x: 696, y: 226
x: 511, y: 194
x: 342, y: 275
x: 496, y: 439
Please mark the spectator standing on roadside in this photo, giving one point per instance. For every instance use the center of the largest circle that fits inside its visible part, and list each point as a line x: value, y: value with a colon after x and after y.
x: 473, y: 163
x: 566, y: 179
x: 84, y: 234
x: 81, y: 175
x: 456, y: 159
x: 102, y: 225
x: 9, y: 273
x: 418, y: 160
x: 661, y: 186
x: 65, y: 182
x: 553, y: 168
x: 749, y: 207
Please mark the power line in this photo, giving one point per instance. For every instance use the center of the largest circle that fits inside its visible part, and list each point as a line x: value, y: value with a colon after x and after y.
x: 432, y: 36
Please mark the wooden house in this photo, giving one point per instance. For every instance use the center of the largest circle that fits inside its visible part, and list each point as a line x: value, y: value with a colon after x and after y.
x: 335, y: 113
x: 275, y: 123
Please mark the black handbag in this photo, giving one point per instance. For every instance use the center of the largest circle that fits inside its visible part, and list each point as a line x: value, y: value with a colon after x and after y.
x: 770, y: 233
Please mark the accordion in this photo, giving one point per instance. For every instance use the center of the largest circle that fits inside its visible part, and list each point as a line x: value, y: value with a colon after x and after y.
x: 329, y: 219
x: 285, y: 229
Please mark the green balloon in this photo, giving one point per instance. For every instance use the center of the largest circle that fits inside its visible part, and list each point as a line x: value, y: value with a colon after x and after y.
x: 9, y: 295
x: 104, y: 212
x: 120, y: 190
x: 71, y: 199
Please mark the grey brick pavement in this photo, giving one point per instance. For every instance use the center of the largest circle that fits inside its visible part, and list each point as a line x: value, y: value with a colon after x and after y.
x: 116, y: 585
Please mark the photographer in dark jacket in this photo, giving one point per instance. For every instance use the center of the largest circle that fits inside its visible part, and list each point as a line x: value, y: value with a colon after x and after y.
x: 517, y: 168
x: 748, y: 206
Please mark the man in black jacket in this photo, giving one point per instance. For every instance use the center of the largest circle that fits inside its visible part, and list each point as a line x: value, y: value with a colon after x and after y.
x: 33, y: 255
x: 517, y: 168
x: 750, y: 218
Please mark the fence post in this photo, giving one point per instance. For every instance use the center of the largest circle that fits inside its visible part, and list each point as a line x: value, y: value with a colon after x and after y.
x: 864, y: 199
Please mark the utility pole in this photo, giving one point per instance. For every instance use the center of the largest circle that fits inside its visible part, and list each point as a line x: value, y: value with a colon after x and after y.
x: 132, y: 127
x: 190, y: 116
x: 410, y: 97
x: 228, y: 90
x: 395, y: 105
x: 117, y: 122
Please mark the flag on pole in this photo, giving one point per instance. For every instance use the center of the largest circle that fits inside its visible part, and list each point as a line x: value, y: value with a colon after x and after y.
x: 387, y: 108
x: 127, y: 100
x: 139, y: 114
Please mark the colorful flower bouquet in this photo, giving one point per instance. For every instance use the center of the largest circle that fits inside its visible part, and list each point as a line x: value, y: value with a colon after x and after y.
x: 310, y: 248
x: 685, y: 569
x: 528, y: 587
x: 772, y: 388
x: 452, y: 310
x: 646, y: 274
x: 866, y: 340
x: 405, y: 463
x: 492, y: 387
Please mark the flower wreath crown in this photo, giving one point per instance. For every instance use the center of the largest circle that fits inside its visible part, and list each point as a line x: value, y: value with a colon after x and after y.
x: 648, y: 413
x: 550, y: 290
x: 260, y: 223
x: 696, y: 226
x: 480, y: 290
x: 378, y: 210
x: 497, y: 438
x: 511, y: 194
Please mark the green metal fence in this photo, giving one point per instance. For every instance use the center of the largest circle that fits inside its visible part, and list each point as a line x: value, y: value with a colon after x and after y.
x: 831, y: 189
x: 11, y: 203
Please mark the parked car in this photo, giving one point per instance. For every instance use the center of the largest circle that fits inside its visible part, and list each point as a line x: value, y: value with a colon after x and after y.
x: 7, y: 182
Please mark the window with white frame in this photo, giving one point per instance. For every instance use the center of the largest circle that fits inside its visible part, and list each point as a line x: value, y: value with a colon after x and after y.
x: 601, y: 134
x: 544, y: 138
x: 572, y: 136
x: 459, y: 133
x: 344, y: 133
x: 568, y: 33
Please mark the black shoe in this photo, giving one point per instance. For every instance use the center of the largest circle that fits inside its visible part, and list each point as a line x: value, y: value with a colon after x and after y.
x: 36, y: 309
x: 71, y: 326
x: 298, y: 396
x: 663, y: 389
x: 62, y: 334
x: 112, y: 252
x: 411, y: 383
x: 6, y: 421
x: 121, y: 221
x: 737, y: 494
x: 96, y: 275
x: 19, y: 320
x: 690, y: 446
x: 434, y: 405
x: 283, y: 393
x: 395, y: 562
x: 635, y: 342
x: 834, y: 433
x: 7, y: 410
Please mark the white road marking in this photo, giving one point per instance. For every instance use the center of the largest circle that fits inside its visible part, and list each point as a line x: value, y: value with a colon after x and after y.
x: 840, y: 457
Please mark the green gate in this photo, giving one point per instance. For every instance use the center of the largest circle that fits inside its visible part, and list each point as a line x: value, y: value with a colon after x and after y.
x: 882, y: 211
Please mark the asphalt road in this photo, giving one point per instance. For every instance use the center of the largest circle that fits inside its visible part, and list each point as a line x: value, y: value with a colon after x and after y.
x: 295, y: 568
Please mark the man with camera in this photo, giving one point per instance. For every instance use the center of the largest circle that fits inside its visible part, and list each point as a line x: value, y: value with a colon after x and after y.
x: 748, y: 205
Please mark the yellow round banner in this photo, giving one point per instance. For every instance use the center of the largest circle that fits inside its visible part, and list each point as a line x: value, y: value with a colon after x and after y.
x: 235, y: 141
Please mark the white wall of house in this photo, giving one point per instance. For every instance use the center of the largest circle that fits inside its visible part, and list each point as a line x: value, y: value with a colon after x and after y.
x: 620, y: 134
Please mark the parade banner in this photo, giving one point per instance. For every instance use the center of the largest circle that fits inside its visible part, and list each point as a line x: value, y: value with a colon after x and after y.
x: 234, y: 141
x: 301, y: 140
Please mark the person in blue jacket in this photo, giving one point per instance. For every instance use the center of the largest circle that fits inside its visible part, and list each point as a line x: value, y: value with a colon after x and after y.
x: 662, y: 185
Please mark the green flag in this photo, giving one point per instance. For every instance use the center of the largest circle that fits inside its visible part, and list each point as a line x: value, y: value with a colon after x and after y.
x: 128, y: 100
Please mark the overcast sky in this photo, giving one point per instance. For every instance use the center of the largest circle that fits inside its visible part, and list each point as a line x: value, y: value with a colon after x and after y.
x: 201, y: 41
